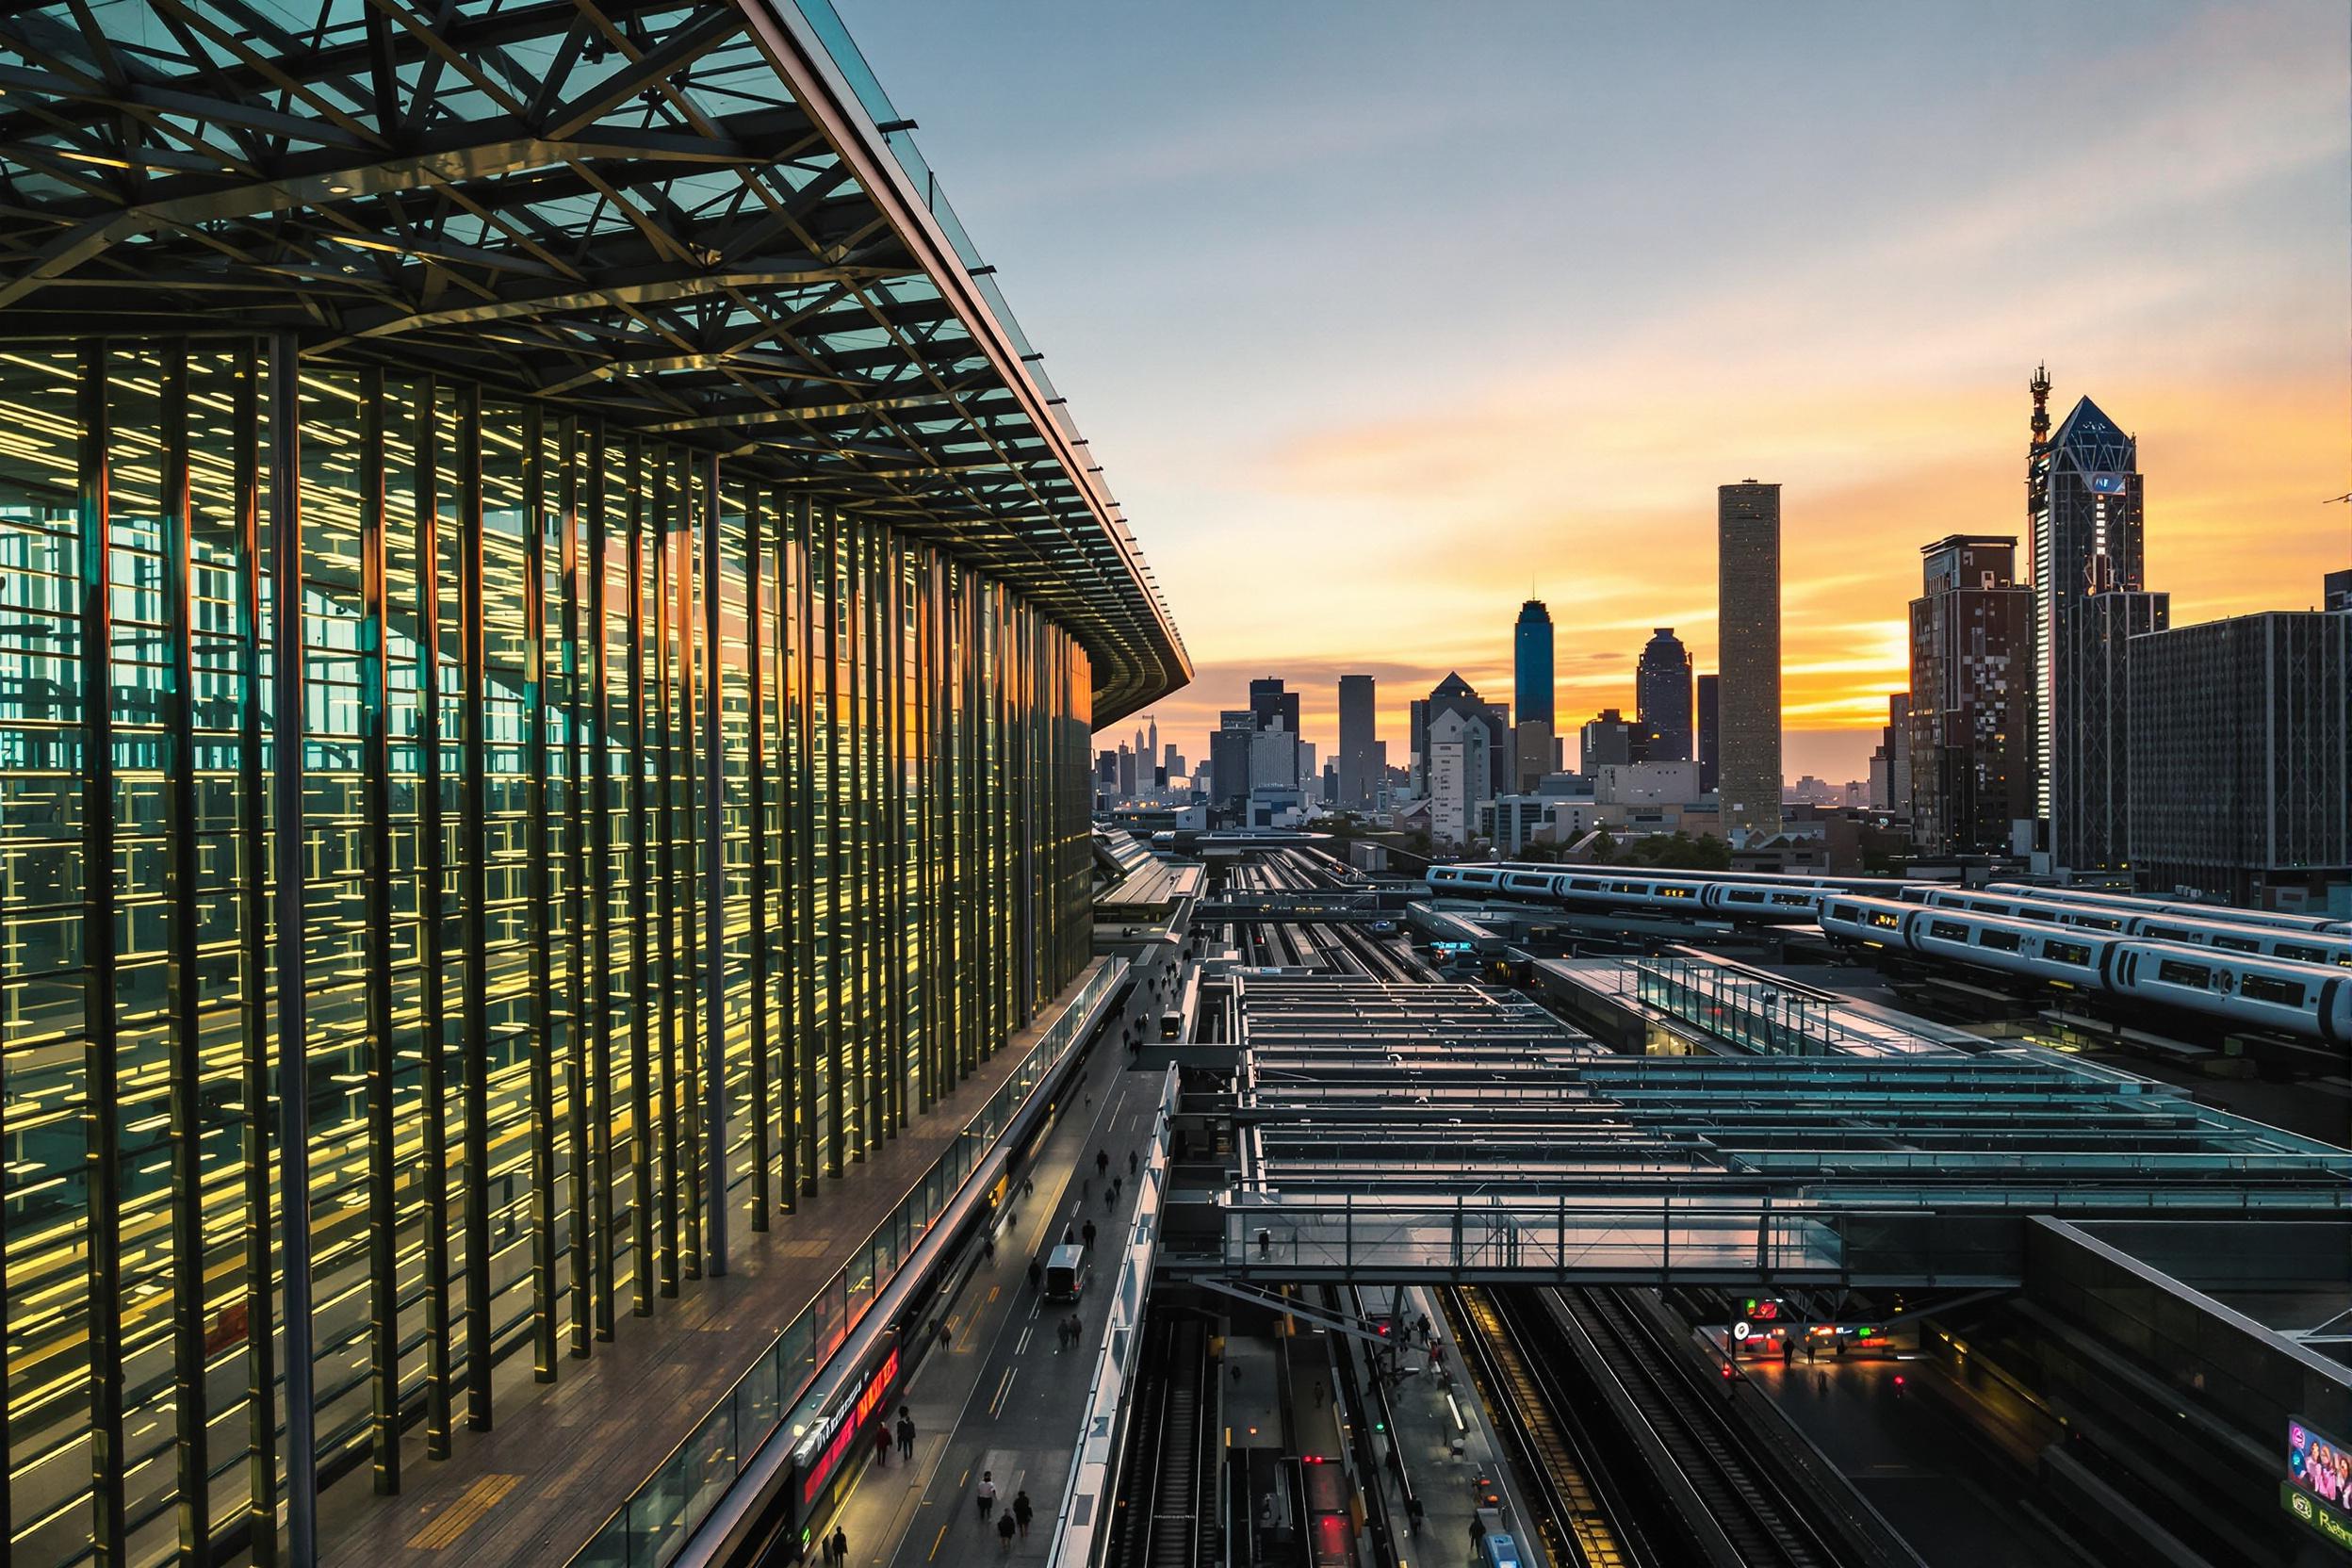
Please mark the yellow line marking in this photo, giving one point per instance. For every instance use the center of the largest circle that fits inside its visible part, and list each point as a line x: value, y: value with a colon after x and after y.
x: 445, y: 1528
x: 992, y: 1291
x: 933, y: 1557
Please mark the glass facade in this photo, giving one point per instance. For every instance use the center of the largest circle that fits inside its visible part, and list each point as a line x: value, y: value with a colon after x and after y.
x: 554, y: 684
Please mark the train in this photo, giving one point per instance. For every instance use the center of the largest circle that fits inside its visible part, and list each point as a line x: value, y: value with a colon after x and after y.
x: 2135, y: 903
x: 2213, y: 927
x: 1752, y: 898
x: 2250, y: 989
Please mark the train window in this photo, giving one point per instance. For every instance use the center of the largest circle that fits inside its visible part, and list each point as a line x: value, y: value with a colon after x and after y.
x: 2172, y: 972
x: 1885, y: 917
x: 1672, y: 890
x: 2269, y: 988
x: 1795, y: 900
x: 2067, y: 953
x: 2003, y: 941
x: 1843, y: 911
x: 2238, y: 944
x: 1949, y: 930
x: 2169, y: 932
x: 1752, y: 895
x: 2032, y: 913
x: 2098, y: 922
x: 2297, y: 950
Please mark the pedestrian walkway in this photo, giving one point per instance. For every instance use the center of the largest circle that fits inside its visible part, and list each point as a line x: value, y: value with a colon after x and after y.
x: 1007, y: 1402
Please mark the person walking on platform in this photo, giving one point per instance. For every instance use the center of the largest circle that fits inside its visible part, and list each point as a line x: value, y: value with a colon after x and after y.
x: 839, y: 1546
x: 881, y: 1447
x: 1101, y: 1162
x: 1133, y: 1164
x: 1088, y: 1234
x: 986, y: 1498
x: 1021, y: 1511
x: 1005, y: 1534
x: 905, y: 1434
x: 1036, y: 1275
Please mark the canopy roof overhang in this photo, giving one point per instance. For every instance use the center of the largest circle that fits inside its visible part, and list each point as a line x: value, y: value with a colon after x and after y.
x: 701, y: 221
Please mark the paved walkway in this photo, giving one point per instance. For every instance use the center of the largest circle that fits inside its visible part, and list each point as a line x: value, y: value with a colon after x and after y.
x: 1429, y: 1418
x: 564, y: 1455
x: 1007, y: 1401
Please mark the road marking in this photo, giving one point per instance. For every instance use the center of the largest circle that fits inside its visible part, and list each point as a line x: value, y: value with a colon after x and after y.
x: 992, y: 1292
x: 462, y: 1515
x: 1023, y: 1343
x: 935, y: 1545
x: 1001, y: 1389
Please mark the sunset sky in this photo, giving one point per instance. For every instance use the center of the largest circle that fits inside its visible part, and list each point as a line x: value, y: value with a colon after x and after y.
x: 1382, y: 316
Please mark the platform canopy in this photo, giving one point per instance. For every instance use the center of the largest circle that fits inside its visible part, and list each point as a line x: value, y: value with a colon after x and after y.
x: 700, y: 221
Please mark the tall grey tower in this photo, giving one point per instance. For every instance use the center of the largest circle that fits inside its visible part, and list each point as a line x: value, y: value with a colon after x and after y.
x: 1661, y: 698
x: 1531, y: 663
x: 1358, y: 743
x: 2089, y: 600
x: 1747, y: 592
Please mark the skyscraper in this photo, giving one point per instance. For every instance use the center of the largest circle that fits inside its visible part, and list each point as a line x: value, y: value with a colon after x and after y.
x: 2084, y: 489
x: 1358, y: 720
x: 1972, y: 701
x: 1606, y: 741
x: 1229, y: 758
x: 1890, y: 785
x: 1455, y: 695
x: 1710, y: 734
x: 1747, y: 541
x: 1531, y: 663
x: 1661, y: 698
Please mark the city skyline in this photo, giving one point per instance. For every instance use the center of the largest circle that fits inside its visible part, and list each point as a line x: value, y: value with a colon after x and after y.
x: 2178, y: 183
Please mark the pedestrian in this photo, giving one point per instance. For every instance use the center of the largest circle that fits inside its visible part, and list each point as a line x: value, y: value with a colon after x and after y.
x: 1131, y: 1161
x: 1021, y: 1511
x: 987, y: 1242
x: 881, y: 1447
x: 825, y: 1545
x: 1117, y: 1183
x: 986, y: 1498
x: 840, y: 1548
x: 1101, y: 1162
x: 905, y: 1434
x: 1028, y: 1186
x: 1069, y: 1235
x: 1088, y: 1233
x: 1110, y: 1196
x: 1036, y: 1275
x: 1005, y: 1527
x: 1318, y: 1393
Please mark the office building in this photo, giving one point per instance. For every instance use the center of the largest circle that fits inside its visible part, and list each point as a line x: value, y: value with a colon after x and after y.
x: 2086, y: 503
x: 1532, y: 750
x: 1605, y: 741
x: 1662, y: 693
x: 1359, y: 723
x: 1128, y: 781
x: 1461, y: 773
x: 1531, y: 664
x: 2336, y: 590
x: 1710, y: 739
x: 1747, y: 523
x: 2090, y: 799
x: 828, y: 673
x: 1888, y: 789
x: 1971, y: 721
x: 1454, y: 694
x: 1229, y: 758
x: 2241, y: 759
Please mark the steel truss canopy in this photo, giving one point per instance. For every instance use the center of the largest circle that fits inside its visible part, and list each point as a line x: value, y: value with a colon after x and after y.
x: 702, y: 221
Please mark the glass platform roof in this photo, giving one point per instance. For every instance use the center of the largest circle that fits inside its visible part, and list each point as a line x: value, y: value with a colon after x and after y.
x: 704, y: 222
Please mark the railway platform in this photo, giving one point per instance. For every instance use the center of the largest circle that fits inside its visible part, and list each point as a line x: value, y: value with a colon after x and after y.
x: 1007, y: 1402
x: 1445, y: 1441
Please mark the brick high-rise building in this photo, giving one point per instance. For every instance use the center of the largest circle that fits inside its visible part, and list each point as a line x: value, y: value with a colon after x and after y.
x: 1972, y: 756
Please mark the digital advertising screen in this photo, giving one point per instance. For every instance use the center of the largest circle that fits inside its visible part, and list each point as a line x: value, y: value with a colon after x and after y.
x: 2319, y: 1481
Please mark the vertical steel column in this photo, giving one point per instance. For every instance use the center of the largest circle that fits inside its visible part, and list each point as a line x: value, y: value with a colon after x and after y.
x: 689, y: 948
x: 261, y: 1386
x: 806, y: 1041
x: 191, y: 1471
x: 829, y: 801
x: 539, y: 895
x: 640, y: 960
x: 714, y: 902
x: 432, y: 921
x: 666, y: 873
x: 102, y: 1123
x: 384, y: 1322
x: 582, y: 1092
x: 287, y: 867
x: 756, y: 808
x: 473, y: 896
x: 598, y: 751
x: 792, y: 687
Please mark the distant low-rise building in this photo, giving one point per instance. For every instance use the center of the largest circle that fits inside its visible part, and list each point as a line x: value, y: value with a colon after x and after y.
x: 1674, y: 783
x: 1461, y: 772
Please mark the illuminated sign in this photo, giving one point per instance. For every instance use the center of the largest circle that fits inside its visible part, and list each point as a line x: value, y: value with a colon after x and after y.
x: 2320, y: 1464
x: 833, y: 1438
x: 2108, y: 485
x: 2318, y: 1515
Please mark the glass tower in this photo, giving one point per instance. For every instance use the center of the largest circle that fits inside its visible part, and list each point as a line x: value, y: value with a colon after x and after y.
x: 1531, y: 663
